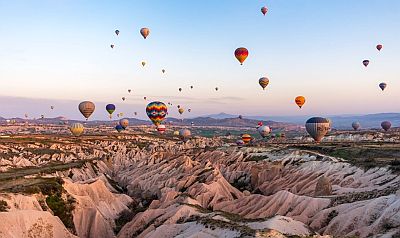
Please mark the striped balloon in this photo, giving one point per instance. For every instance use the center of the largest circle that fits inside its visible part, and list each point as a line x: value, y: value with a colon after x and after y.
x: 76, y: 129
x: 161, y: 129
x: 241, y: 54
x: 156, y: 111
x: 318, y: 127
x: 264, y: 131
x: 246, y: 138
x: 264, y: 81
x: 86, y: 108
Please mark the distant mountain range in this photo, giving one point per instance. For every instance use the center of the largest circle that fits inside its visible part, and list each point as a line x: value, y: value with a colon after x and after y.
x: 223, y: 119
x: 339, y: 122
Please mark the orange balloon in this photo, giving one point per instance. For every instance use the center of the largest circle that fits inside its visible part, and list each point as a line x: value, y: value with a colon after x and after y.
x: 300, y: 100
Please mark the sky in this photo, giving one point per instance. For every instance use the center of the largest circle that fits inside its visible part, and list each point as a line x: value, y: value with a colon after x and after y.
x: 57, y: 52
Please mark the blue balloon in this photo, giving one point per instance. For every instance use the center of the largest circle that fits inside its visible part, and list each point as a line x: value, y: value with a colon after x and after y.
x: 119, y: 128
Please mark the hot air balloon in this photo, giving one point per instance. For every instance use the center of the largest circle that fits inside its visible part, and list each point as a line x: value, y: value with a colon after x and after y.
x: 76, y: 129
x: 365, y: 63
x: 317, y: 127
x: 192, y: 123
x: 189, y: 110
x: 184, y: 134
x: 123, y: 98
x: 239, y: 142
x: 216, y: 88
x: 382, y: 86
x: 259, y: 124
x: 300, y: 100
x: 143, y: 63
x: 191, y: 87
x: 379, y: 47
x: 119, y: 128
x: 26, y: 115
x: 86, y: 108
x: 356, y: 125
x: 42, y: 116
x: 180, y: 89
x: 145, y: 32
x: 129, y: 91
x: 241, y: 54
x: 112, y: 46
x: 135, y: 113
x: 246, y: 138
x: 163, y: 70
x: 264, y: 131
x: 240, y: 117
x: 181, y: 110
x: 117, y: 32
x: 179, y: 106
x: 145, y: 98
x: 386, y: 125
x: 110, y: 108
x: 161, y: 128
x: 264, y: 10
x: 264, y: 81
x: 124, y: 123
x: 156, y: 111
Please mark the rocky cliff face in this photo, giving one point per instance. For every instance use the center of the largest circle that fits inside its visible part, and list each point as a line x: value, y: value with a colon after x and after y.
x: 143, y: 186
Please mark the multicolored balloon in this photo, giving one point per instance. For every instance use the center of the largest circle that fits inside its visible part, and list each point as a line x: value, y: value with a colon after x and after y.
x: 145, y: 32
x: 156, y: 111
x: 356, y: 125
x: 365, y: 63
x: 379, y: 47
x: 264, y: 81
x: 241, y: 54
x: 86, y: 108
x: 318, y: 127
x: 246, y: 138
x: 382, y: 86
x: 110, y: 108
x: 386, y: 125
x: 76, y: 129
x: 300, y: 100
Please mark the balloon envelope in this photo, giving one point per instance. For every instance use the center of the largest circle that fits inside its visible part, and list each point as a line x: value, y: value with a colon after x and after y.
x: 86, y: 108
x: 145, y: 32
x: 185, y: 134
x: 379, y: 47
x: 264, y: 130
x: 156, y: 111
x: 76, y: 129
x: 124, y: 123
x: 356, y: 125
x: 181, y: 110
x: 382, y: 86
x: 318, y: 127
x: 161, y: 128
x: 241, y: 54
x: 264, y: 81
x: 117, y: 32
x: 300, y: 100
x: 386, y: 125
x: 365, y: 63
x: 246, y: 138
x: 119, y: 128
x: 110, y: 108
x: 264, y: 10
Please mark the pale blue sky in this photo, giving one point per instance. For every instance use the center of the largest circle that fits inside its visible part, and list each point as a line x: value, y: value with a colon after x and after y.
x: 57, y: 52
